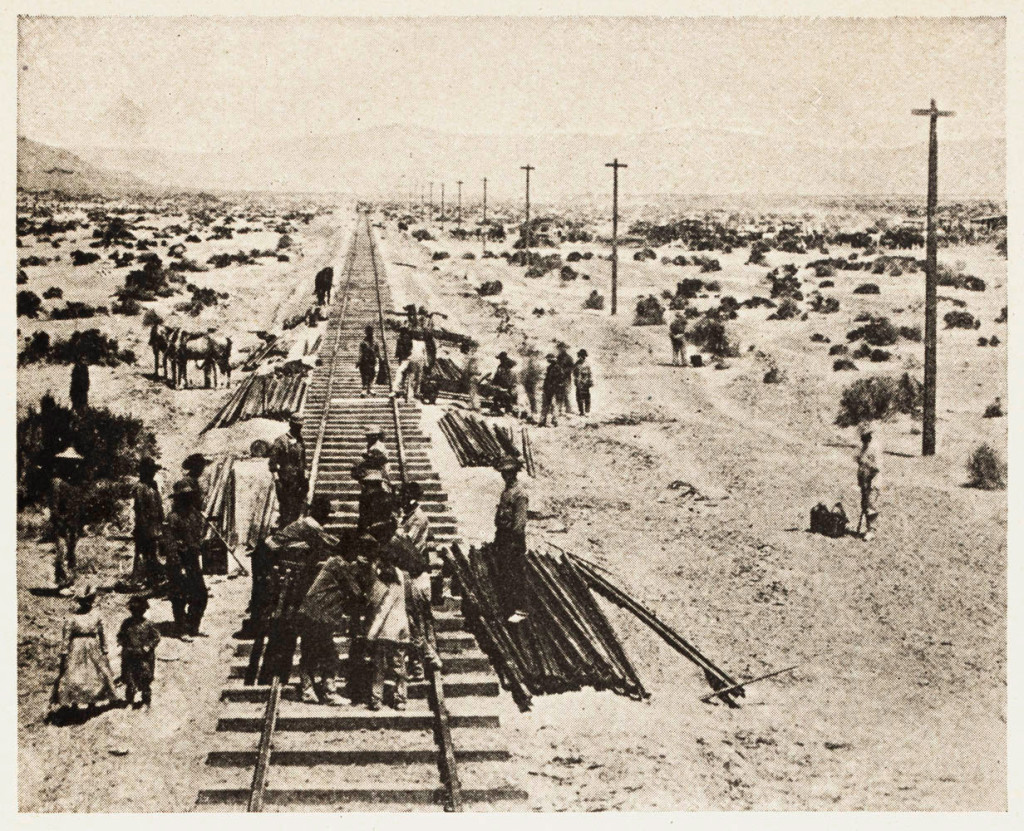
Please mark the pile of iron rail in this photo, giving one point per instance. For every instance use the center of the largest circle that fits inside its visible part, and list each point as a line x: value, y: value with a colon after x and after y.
x: 477, y: 442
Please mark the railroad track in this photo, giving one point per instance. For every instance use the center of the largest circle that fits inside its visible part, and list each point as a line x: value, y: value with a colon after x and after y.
x: 445, y: 751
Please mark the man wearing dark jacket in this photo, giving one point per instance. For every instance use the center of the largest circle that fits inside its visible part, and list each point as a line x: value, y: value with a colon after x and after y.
x: 551, y: 389
x: 183, y: 534
x: 149, y: 520
x: 80, y: 385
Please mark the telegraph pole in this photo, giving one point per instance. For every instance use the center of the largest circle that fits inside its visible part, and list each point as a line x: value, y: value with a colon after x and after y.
x: 615, y: 165
x: 431, y: 203
x: 931, y: 282
x: 483, y: 224
x: 458, y: 221
x: 485, y: 200
x: 442, y: 206
x: 527, y: 168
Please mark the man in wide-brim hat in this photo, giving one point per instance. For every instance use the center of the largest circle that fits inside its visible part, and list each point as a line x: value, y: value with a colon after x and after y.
x: 183, y: 534
x: 149, y: 521
x: 66, y: 515
x: 287, y: 462
x: 510, y: 537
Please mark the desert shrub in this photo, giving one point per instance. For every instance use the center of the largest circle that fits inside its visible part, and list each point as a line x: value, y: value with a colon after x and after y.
x: 187, y: 264
x: 880, y: 355
x: 867, y: 288
x: 982, y: 341
x: 728, y: 308
x: 774, y: 375
x: 421, y: 234
x: 878, y: 331
x: 37, y: 348
x: 711, y: 335
x: 826, y: 284
x: 817, y: 337
x: 469, y: 255
x: 53, y: 293
x: 28, y: 304
x: 994, y: 341
x: 911, y: 333
x: 649, y: 312
x: 192, y: 238
x: 568, y: 273
x: 96, y: 347
x: 824, y: 270
x: 574, y: 257
x: 994, y: 410
x: 644, y: 254
x: 1002, y: 315
x: 283, y: 242
x: 686, y: 290
x: 129, y: 306
x: 680, y: 260
x: 489, y: 288
x: 785, y: 282
x: 74, y: 310
x: 843, y: 364
x: 862, y: 351
x: 821, y: 304
x: 960, y: 320
x: 84, y: 257
x: 757, y: 251
x: 838, y: 349
x: 110, y: 443
x: 34, y: 260
x: 707, y: 264
x: 151, y: 318
x: 756, y: 301
x: 985, y: 469
x: 956, y: 278
x: 594, y: 301
x: 713, y: 286
x: 878, y: 398
x: 440, y: 255
x: 787, y: 310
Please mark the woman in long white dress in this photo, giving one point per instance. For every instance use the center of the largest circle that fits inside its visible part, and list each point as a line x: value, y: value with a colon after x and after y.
x: 85, y: 679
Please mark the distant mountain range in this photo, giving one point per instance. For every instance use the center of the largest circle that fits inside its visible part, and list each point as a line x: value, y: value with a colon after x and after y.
x: 396, y: 159
x: 42, y: 167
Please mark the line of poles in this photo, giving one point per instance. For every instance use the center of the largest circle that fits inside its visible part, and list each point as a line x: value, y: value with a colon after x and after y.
x: 930, y: 374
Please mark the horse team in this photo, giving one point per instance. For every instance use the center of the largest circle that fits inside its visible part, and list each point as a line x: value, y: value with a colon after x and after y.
x: 173, y: 348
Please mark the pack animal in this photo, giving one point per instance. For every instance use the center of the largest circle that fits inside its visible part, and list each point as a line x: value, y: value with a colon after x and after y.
x: 210, y: 351
x: 322, y: 285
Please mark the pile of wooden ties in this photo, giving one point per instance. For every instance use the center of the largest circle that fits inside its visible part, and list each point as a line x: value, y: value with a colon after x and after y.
x: 274, y: 395
x: 479, y: 443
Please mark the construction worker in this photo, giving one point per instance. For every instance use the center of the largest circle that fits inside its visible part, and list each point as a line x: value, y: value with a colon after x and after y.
x: 376, y: 506
x: 553, y: 384
x: 411, y: 371
x: 414, y: 527
x: 183, y: 534
x: 867, y: 470
x: 584, y: 380
x: 504, y: 381
x: 80, y: 385
x: 677, y: 334
x: 287, y: 463
x: 149, y: 521
x: 194, y: 466
x: 510, y: 536
x: 471, y: 374
x: 67, y: 503
x: 369, y: 357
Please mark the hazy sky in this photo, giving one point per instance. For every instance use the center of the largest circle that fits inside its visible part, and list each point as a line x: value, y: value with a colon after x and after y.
x: 204, y: 84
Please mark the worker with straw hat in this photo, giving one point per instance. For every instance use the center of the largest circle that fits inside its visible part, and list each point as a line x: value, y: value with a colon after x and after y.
x: 867, y: 470
x: 66, y: 516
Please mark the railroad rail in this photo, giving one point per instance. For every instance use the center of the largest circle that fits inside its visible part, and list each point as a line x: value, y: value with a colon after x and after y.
x: 312, y: 756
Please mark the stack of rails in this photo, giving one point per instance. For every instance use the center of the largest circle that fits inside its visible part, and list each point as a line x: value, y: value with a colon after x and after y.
x: 479, y: 443
x: 321, y: 757
x: 275, y: 395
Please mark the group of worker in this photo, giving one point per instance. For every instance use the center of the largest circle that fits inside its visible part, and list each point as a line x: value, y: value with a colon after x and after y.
x: 372, y: 581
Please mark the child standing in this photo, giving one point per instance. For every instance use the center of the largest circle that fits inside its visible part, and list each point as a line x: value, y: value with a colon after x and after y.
x: 138, y: 639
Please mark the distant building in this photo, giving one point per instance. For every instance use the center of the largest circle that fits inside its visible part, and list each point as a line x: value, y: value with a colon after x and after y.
x: 991, y: 223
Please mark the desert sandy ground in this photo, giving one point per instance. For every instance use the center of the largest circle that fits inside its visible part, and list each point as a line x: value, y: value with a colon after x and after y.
x: 898, y: 702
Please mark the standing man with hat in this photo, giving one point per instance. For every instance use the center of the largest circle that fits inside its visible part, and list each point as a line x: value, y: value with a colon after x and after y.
x: 584, y: 380
x: 510, y: 535
x: 183, y: 534
x: 79, y: 391
x: 149, y: 520
x: 550, y: 391
x: 867, y: 470
x: 369, y: 356
x: 504, y: 382
x: 194, y: 465
x: 414, y: 529
x: 288, y: 466
x: 67, y: 502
